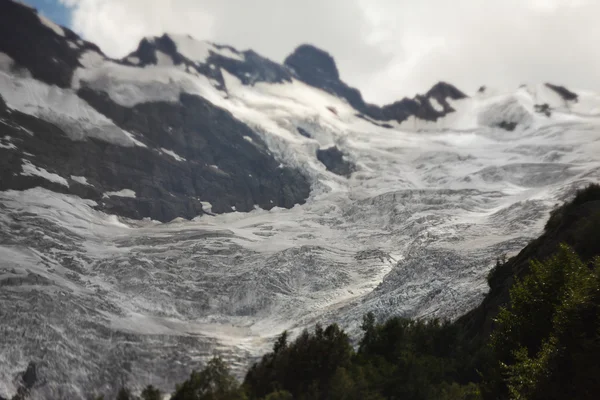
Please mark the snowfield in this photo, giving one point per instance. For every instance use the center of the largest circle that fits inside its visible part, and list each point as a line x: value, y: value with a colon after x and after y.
x: 413, y: 232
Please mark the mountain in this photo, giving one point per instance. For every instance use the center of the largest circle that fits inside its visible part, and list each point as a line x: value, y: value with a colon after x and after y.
x: 192, y: 198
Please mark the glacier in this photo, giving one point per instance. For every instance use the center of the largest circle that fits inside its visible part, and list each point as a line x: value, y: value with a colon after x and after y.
x: 94, y: 298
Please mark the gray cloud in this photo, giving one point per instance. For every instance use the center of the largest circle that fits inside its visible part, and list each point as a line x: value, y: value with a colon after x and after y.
x: 387, y: 48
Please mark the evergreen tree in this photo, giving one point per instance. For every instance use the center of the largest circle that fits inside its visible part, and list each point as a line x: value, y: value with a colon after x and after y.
x: 214, y: 382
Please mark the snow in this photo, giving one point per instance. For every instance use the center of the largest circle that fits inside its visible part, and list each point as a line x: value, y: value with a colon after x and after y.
x: 62, y: 107
x: 31, y: 170
x: 198, y: 51
x: 81, y: 179
x: 206, y: 206
x: 54, y: 27
x: 226, y: 52
x: 6, y: 62
x: 121, y: 193
x: 195, y: 50
x: 7, y: 143
x: 91, y: 59
x: 133, y: 60
x: 164, y: 60
x: 436, y: 105
x: 172, y: 154
x: 129, y: 85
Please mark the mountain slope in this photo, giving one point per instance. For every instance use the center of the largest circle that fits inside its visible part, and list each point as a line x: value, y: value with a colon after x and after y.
x: 271, y: 203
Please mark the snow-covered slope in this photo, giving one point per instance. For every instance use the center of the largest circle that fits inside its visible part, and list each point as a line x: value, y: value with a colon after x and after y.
x: 91, y: 297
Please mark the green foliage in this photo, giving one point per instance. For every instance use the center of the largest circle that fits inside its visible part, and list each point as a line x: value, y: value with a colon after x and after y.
x: 151, y: 393
x: 304, y: 368
x: 214, y: 382
x: 548, y: 340
x: 398, y: 359
x: 124, y: 394
x: 454, y: 391
x: 280, y: 395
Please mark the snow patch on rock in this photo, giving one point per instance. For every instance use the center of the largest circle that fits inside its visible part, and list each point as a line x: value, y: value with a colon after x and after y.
x: 121, y: 193
x: 31, y: 170
x: 163, y: 60
x: 172, y: 154
x: 5, y: 143
x: 81, y: 179
x: 436, y: 105
x: 198, y: 51
x: 62, y: 107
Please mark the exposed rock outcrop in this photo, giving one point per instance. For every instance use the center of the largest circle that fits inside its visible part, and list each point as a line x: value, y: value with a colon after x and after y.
x: 334, y: 161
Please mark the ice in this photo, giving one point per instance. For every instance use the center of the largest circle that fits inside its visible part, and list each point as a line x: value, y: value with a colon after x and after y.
x: 31, y: 170
x: 172, y: 154
x: 121, y: 193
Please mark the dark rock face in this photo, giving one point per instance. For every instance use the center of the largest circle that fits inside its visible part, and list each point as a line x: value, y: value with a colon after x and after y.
x: 317, y: 68
x: 507, y: 126
x: 221, y: 166
x: 565, y: 93
x: 29, y: 377
x: 49, y: 57
x: 543, y: 109
x: 333, y: 159
x: 315, y: 64
x: 303, y: 132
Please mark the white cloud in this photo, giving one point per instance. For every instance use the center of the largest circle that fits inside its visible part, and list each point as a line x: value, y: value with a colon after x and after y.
x: 387, y: 48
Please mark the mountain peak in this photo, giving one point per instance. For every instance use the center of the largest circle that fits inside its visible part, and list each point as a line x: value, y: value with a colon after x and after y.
x: 310, y: 60
x: 443, y: 90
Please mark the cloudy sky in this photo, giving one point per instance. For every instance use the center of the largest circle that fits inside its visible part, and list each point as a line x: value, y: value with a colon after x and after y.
x: 386, y: 48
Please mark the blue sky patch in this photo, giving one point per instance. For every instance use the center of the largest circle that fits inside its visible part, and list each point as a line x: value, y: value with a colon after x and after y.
x: 53, y: 10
